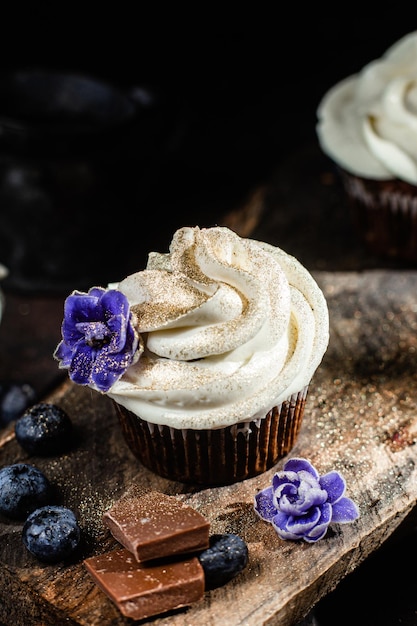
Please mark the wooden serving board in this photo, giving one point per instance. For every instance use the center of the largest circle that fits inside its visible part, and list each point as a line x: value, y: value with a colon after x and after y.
x: 361, y: 419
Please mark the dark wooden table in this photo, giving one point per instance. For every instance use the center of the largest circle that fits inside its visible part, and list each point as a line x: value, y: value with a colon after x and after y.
x: 361, y: 420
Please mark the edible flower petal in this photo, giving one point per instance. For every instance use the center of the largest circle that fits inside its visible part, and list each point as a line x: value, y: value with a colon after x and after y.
x: 99, y: 339
x: 301, y: 504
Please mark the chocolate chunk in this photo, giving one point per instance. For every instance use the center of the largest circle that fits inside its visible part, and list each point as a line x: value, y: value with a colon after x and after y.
x: 142, y: 590
x: 154, y: 525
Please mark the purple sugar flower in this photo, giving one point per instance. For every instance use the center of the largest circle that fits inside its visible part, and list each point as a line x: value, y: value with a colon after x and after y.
x: 301, y: 504
x: 99, y: 341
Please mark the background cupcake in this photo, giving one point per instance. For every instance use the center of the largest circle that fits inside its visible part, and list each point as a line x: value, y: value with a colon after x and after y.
x: 207, y: 354
x: 367, y: 125
x: 3, y: 274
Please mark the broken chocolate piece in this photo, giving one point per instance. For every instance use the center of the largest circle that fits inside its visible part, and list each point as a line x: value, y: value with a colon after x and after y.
x: 155, y: 525
x: 142, y: 590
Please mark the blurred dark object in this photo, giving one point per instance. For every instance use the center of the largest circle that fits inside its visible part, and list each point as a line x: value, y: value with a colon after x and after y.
x: 15, y: 398
x: 76, y: 161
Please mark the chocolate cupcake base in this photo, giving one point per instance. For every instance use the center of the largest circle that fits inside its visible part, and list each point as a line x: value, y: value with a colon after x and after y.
x: 218, y: 456
x: 384, y: 215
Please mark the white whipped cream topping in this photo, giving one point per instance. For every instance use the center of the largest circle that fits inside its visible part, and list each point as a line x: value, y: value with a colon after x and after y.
x: 367, y: 123
x: 231, y: 326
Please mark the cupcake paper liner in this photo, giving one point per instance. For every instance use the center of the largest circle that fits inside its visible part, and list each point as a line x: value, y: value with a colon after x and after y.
x: 218, y: 456
x: 384, y: 215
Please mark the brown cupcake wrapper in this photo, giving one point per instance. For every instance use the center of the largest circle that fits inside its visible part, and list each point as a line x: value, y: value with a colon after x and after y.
x: 384, y: 215
x: 217, y: 456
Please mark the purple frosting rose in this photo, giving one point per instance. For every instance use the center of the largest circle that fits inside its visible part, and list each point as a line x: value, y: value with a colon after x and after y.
x: 99, y: 340
x: 301, y: 504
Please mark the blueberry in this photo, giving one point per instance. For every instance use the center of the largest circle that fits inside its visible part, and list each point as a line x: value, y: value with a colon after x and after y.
x: 51, y: 533
x: 44, y: 429
x: 23, y: 488
x: 226, y: 556
x: 15, y: 398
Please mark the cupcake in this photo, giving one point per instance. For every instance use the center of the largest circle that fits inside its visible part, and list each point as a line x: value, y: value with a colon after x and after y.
x: 367, y: 126
x: 3, y: 274
x: 207, y: 354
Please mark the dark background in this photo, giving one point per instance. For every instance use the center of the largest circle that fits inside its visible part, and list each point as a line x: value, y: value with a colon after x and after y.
x: 223, y: 68
x: 262, y: 72
x: 236, y: 96
x: 259, y: 75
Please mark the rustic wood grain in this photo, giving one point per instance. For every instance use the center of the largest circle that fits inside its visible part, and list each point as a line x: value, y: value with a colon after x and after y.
x: 361, y: 419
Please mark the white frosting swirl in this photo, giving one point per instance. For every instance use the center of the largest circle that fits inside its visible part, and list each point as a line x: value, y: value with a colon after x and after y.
x: 367, y: 123
x: 231, y: 326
